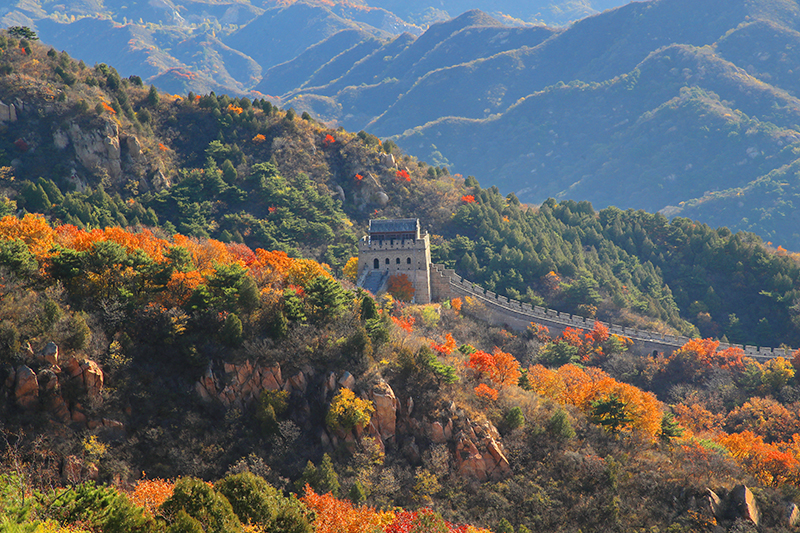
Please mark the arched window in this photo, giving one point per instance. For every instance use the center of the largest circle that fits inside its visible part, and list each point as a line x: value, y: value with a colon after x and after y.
x: 376, y: 264
x: 408, y: 260
x: 387, y: 260
x: 397, y: 261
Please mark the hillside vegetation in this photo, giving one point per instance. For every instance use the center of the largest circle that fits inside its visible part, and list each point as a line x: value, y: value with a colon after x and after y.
x: 176, y: 355
x: 245, y: 171
x: 692, y: 105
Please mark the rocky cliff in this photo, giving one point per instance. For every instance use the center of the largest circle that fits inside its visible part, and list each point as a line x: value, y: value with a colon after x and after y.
x: 476, y: 449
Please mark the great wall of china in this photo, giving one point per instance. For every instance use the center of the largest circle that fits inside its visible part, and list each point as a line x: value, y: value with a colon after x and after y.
x: 500, y: 310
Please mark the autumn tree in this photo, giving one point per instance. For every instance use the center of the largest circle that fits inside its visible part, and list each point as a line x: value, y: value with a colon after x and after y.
x: 400, y: 287
x: 347, y: 411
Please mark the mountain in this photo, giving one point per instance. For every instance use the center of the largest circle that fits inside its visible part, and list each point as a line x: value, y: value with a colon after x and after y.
x: 87, y: 147
x: 166, y: 322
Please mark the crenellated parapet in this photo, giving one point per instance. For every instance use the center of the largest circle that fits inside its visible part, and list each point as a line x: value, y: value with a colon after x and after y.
x: 500, y: 310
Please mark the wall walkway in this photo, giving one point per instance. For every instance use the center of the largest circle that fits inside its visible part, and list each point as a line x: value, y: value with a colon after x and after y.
x: 500, y: 310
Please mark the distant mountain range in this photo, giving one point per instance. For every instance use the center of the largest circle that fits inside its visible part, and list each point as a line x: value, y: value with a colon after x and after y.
x: 690, y: 108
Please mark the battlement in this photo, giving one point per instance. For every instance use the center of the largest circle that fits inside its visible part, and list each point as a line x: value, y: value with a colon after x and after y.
x: 497, y: 309
x: 395, y: 247
x: 399, y: 247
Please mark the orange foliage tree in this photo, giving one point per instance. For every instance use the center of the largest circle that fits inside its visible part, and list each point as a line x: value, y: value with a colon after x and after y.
x: 575, y: 386
x: 499, y: 366
x: 406, y: 323
x: 340, y: 516
x: 768, y: 463
x: 695, y: 359
x: 446, y: 348
x: 151, y: 493
x: 400, y: 287
x: 485, y: 392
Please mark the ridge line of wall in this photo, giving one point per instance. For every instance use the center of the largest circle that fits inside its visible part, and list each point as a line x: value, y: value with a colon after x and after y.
x: 446, y: 284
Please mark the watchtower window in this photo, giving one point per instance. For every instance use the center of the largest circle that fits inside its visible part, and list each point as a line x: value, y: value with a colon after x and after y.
x: 387, y: 260
x: 408, y: 260
x: 376, y: 264
x: 397, y: 261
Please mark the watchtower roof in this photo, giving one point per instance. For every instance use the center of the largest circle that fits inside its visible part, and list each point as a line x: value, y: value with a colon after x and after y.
x: 398, y: 228
x: 394, y: 225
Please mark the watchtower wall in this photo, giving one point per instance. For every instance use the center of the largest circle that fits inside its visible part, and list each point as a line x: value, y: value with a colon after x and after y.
x: 411, y: 257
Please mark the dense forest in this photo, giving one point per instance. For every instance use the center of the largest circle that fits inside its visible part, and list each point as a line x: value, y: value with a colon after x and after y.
x: 245, y: 171
x: 182, y: 347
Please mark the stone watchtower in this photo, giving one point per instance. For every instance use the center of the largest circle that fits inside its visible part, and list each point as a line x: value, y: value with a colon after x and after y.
x: 395, y: 247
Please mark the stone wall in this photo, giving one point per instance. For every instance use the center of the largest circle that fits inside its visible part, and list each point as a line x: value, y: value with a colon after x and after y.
x: 399, y: 254
x: 500, y: 310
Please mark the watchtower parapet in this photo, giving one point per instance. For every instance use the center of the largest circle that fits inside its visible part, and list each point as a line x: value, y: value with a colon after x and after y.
x: 393, y: 247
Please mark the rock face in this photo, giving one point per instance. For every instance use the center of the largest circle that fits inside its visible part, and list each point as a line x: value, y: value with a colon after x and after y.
x: 92, y: 378
x: 385, y: 416
x: 44, y: 387
x: 241, y: 384
x: 26, y: 387
x: 107, y: 151
x: 476, y: 447
x: 745, y: 503
x: 96, y: 150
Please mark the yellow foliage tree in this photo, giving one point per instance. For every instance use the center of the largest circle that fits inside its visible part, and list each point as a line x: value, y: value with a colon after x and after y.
x: 348, y: 411
x: 350, y: 271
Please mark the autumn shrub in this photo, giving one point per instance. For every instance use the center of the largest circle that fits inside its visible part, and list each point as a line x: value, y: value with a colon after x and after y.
x: 347, y: 411
x: 340, y: 516
x: 151, y: 493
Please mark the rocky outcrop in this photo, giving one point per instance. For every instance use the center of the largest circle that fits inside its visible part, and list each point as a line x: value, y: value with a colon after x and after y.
x: 108, y: 151
x: 49, y: 354
x: 744, y: 503
x: 369, y: 192
x: 26, y: 387
x: 712, y: 505
x: 387, y: 160
x: 792, y: 515
x: 92, y: 378
x: 469, y: 461
x: 97, y: 150
x: 240, y: 384
x: 42, y: 384
x: 385, y: 416
x: 475, y: 446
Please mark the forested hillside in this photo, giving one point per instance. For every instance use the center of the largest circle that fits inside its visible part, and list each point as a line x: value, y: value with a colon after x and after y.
x: 692, y: 105
x: 182, y: 347
x: 246, y: 171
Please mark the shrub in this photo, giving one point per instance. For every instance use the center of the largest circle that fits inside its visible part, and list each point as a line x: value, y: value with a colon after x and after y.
x: 253, y: 499
x: 514, y: 418
x: 560, y: 426
x: 197, y: 499
x: 347, y: 411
